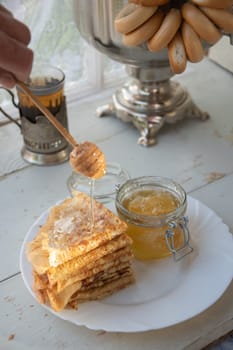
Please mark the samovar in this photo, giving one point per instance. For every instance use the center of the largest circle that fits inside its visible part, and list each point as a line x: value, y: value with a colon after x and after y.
x: 149, y: 98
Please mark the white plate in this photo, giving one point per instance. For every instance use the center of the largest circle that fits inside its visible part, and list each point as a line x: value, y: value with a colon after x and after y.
x: 165, y: 292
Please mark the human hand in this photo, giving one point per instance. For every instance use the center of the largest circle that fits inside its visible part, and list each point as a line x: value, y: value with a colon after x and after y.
x: 15, y: 57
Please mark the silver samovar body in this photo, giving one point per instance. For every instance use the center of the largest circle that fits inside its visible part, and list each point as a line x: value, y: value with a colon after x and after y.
x: 149, y: 98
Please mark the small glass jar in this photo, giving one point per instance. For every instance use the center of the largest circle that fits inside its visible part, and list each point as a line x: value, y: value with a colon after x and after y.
x: 154, y: 209
x: 104, y: 188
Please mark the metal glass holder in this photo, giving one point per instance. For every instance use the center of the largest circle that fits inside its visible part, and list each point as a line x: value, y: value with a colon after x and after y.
x: 43, y: 143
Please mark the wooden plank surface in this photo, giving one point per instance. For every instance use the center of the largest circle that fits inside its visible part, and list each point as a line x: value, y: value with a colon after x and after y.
x: 197, y: 154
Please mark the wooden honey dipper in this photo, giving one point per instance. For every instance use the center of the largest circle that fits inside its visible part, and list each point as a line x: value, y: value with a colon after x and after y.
x: 85, y: 158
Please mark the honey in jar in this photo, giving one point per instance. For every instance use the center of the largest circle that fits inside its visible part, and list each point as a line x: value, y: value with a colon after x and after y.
x: 153, y: 208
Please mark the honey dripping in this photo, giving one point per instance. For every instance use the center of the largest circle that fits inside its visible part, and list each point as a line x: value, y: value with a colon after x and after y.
x: 92, y: 211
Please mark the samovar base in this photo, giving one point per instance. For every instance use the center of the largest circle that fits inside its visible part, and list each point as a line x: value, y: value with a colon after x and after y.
x: 149, y: 105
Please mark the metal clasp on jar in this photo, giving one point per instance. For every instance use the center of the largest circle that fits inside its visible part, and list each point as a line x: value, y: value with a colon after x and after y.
x: 186, y: 248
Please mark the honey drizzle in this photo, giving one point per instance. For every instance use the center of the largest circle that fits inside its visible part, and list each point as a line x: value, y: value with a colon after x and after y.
x: 92, y: 212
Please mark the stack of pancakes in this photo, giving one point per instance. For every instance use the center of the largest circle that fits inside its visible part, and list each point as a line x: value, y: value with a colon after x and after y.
x: 81, y: 253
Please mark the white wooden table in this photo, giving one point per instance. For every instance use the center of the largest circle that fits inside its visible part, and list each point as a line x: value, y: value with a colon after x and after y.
x: 190, y: 152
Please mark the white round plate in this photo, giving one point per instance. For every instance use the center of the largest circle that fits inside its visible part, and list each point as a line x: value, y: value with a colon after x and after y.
x: 165, y: 292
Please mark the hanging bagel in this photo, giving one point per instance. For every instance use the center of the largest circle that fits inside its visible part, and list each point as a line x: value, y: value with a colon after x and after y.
x: 132, y: 16
x: 166, y: 31
x: 181, y: 26
x: 221, y: 18
x: 150, y: 2
x: 145, y: 31
x: 177, y: 54
x: 192, y: 43
x: 216, y: 4
x: 200, y: 23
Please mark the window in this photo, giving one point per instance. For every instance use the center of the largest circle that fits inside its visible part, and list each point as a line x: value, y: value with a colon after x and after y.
x: 56, y: 41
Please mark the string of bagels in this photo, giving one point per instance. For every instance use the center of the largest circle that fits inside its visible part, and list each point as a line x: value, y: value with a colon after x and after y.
x: 180, y: 26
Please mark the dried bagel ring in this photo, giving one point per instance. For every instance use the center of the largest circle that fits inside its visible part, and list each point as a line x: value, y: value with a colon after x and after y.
x: 192, y: 43
x: 132, y: 16
x: 166, y: 32
x: 222, y: 18
x: 145, y: 31
x: 150, y: 2
x: 177, y: 54
x: 200, y: 23
x: 217, y: 4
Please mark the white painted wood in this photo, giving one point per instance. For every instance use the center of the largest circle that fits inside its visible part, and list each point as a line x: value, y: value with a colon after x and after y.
x: 11, y: 144
x: 36, y: 328
x: 192, y: 152
x: 222, y: 53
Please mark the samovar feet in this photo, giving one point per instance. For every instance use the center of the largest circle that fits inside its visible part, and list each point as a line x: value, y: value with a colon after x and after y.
x: 195, y: 112
x: 149, y: 105
x: 148, y: 129
x: 105, y: 110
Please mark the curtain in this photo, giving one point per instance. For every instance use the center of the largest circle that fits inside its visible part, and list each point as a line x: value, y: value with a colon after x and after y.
x: 56, y: 41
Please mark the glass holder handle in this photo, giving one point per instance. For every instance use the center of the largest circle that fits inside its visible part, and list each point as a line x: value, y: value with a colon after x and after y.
x: 186, y: 248
x: 15, y: 104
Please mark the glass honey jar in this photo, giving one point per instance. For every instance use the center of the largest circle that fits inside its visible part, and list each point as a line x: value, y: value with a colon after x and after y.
x: 154, y: 209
